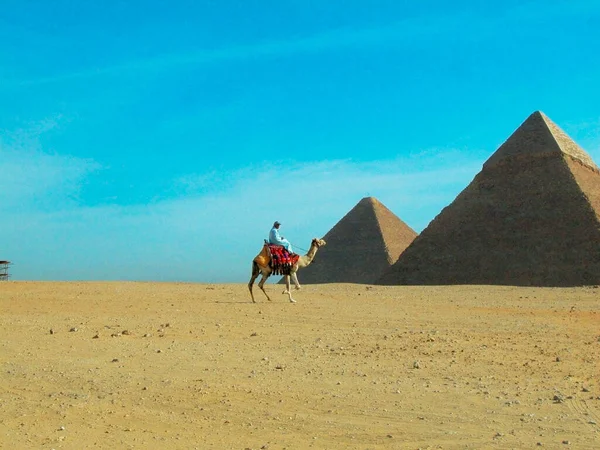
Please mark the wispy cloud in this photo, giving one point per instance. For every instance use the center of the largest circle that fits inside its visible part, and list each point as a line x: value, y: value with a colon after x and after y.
x: 31, y: 178
x: 464, y: 24
x: 539, y: 10
x: 211, y: 234
x: 325, y: 41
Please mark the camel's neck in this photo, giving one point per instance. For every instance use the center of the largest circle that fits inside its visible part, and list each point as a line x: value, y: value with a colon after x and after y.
x: 308, y: 258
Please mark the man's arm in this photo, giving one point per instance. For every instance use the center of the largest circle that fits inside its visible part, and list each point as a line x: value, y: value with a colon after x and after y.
x: 274, y: 237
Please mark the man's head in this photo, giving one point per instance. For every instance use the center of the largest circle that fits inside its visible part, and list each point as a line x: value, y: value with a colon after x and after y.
x: 276, y: 224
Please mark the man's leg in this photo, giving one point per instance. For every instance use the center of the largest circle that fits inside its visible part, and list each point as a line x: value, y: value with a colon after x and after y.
x: 288, y: 246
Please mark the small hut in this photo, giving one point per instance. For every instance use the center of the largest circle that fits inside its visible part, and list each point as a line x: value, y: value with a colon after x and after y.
x: 4, y: 270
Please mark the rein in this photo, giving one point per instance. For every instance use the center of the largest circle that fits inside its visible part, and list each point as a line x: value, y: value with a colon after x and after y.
x: 299, y: 248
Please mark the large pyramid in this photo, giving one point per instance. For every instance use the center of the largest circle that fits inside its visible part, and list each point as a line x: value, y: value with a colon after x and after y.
x: 364, y: 243
x: 530, y: 217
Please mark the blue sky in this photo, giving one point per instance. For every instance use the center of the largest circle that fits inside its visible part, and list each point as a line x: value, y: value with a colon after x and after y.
x: 153, y: 140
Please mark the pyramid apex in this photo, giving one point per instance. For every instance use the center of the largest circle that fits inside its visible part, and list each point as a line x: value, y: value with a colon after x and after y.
x: 539, y: 135
x: 369, y: 201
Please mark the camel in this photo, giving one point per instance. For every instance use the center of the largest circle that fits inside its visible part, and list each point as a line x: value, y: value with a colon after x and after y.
x: 260, y: 265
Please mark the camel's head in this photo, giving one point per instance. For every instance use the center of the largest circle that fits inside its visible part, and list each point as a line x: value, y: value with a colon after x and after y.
x: 318, y: 242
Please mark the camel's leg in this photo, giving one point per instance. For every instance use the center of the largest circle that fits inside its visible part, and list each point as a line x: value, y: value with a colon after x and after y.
x: 288, y: 291
x: 261, y: 284
x: 295, y: 280
x: 255, y: 272
x: 287, y: 284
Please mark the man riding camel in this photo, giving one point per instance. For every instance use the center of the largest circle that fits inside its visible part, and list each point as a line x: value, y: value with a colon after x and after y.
x: 275, y: 238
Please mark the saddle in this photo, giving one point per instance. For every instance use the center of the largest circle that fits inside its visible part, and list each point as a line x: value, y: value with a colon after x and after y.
x: 280, y: 260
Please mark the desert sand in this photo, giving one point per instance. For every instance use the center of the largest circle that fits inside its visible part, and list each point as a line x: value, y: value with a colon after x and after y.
x: 121, y: 365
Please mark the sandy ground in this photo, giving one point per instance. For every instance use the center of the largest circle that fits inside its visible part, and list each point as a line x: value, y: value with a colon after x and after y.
x: 183, y: 366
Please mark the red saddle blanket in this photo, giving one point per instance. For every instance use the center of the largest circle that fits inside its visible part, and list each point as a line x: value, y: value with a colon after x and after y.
x: 282, y: 260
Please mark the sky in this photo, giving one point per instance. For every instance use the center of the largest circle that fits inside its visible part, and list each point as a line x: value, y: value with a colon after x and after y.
x: 159, y: 141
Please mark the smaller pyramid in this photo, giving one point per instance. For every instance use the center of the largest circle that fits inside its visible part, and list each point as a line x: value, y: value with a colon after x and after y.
x: 361, y: 246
